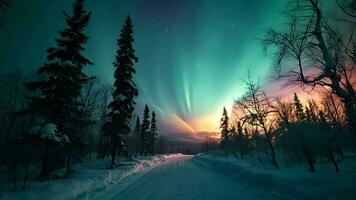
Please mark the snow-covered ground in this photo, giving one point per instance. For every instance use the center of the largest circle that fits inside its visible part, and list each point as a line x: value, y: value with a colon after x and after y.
x: 210, y: 177
x: 90, y: 178
x: 294, y: 182
x: 201, y: 177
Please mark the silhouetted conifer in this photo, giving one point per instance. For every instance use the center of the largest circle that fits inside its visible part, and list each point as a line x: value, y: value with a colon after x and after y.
x: 152, y: 134
x: 145, y: 130
x: 298, y: 108
x: 125, y: 91
x: 224, y: 126
x: 137, y: 136
x: 241, y: 142
x: 63, y: 77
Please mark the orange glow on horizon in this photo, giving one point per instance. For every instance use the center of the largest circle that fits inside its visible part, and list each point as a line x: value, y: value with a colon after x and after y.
x: 197, y: 127
x: 180, y: 125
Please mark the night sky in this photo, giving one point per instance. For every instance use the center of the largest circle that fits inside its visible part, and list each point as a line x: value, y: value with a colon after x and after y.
x: 193, y: 54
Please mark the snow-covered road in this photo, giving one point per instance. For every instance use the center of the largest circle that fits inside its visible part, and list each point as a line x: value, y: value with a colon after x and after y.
x: 200, y: 177
x: 181, y: 178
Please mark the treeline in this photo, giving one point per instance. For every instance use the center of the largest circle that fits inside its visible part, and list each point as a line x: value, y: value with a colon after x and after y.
x: 285, y: 132
x: 321, y: 50
x: 65, y: 115
x: 143, y: 139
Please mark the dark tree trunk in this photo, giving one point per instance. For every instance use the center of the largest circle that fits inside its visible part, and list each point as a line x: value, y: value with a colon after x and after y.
x: 241, y: 153
x: 333, y: 160
x: 309, y: 157
x: 69, y: 170
x: 113, y: 157
x: 26, y: 176
x: 340, y: 152
x: 5, y: 116
x: 14, y: 169
x: 273, y: 154
x: 100, y: 147
x: 310, y: 161
x: 45, y: 168
x: 10, y: 128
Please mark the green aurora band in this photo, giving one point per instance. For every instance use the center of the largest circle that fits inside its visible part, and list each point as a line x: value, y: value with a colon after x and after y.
x: 193, y: 54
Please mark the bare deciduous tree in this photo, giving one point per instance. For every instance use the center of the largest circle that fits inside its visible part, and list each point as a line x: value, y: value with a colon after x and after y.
x: 13, y: 94
x: 104, y: 100
x: 322, y: 56
x: 259, y: 113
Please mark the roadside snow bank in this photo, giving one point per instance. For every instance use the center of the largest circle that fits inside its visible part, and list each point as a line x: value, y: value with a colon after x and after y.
x: 92, y: 176
x: 294, y: 182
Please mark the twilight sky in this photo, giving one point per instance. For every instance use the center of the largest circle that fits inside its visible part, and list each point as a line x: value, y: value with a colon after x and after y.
x: 193, y: 54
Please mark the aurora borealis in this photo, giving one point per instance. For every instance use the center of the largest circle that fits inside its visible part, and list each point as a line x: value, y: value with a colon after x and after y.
x: 192, y: 54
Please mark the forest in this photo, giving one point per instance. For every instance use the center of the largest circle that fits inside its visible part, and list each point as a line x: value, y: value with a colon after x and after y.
x: 322, y: 127
x: 60, y: 116
x: 65, y: 115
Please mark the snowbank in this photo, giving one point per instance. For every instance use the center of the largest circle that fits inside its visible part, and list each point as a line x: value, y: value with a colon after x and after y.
x: 91, y: 177
x: 324, y: 184
x: 49, y: 131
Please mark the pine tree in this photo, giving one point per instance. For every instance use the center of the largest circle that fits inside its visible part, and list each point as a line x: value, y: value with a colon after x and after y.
x: 152, y: 134
x: 145, y: 130
x: 63, y: 78
x: 298, y: 108
x: 224, y: 126
x: 137, y: 135
x: 125, y: 91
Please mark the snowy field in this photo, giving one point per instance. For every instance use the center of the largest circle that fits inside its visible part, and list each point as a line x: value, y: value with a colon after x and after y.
x: 90, y: 178
x: 294, y: 182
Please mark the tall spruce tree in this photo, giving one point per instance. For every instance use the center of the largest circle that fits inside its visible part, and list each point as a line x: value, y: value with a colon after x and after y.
x: 57, y: 100
x: 145, y: 130
x: 224, y: 126
x: 152, y: 134
x: 125, y: 91
x: 57, y: 93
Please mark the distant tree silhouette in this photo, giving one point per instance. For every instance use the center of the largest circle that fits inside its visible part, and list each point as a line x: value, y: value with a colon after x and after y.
x: 12, y: 100
x: 124, y: 92
x: 145, y: 131
x: 152, y: 134
x: 224, y: 129
x: 104, y: 100
x: 299, y: 113
x: 137, y: 136
x: 161, y: 146
x: 241, y: 140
